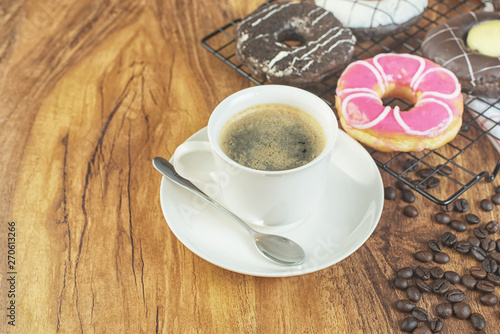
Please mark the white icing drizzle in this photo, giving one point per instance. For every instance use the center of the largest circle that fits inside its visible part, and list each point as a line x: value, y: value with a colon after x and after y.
x: 467, y: 60
x: 316, y: 20
x: 368, y: 125
x: 271, y: 13
x: 438, y: 94
x: 377, y: 75
x: 445, y: 124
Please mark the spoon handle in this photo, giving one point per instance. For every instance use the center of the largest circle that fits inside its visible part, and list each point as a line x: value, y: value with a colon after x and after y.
x: 168, y: 170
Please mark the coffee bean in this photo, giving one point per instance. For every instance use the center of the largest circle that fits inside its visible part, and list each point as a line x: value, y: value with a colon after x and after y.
x: 418, y: 183
x: 488, y: 245
x: 489, y: 265
x: 434, y: 245
x: 422, y: 273
x: 477, y: 253
x: 436, y: 272
x: 477, y: 321
x: 492, y: 226
x: 495, y: 256
x: 442, y: 218
x: 423, y: 173
x: 409, y: 165
x: 485, y: 286
x: 400, y: 283
x: 447, y: 208
x: 445, y: 169
x: 461, y: 205
x: 478, y: 273
x: 448, y: 239
x: 390, y: 193
x: 408, y: 196
x: 424, y: 256
x: 452, y: 277
x: 444, y: 310
x: 462, y: 310
x: 493, y: 278
x: 401, y: 185
x: 489, y: 299
x: 441, y: 286
x: 406, y: 272
x: 462, y: 247
x: 474, y: 241
x: 413, y: 293
x: 472, y: 219
x: 441, y: 258
x: 496, y: 199
x: 486, y: 205
x: 497, y: 189
x: 458, y: 225
x: 432, y: 182
x: 498, y: 245
x: 404, y: 305
x: 469, y: 281
x: 422, y: 330
x: 409, y: 324
x: 420, y: 314
x: 454, y: 295
x: 410, y: 211
x: 421, y: 285
x: 435, y: 325
x: 480, y: 232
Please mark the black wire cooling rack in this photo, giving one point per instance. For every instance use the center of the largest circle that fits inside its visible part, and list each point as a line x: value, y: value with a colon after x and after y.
x: 421, y: 171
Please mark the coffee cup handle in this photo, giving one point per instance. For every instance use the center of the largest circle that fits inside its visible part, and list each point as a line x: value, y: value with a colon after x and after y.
x: 189, y: 168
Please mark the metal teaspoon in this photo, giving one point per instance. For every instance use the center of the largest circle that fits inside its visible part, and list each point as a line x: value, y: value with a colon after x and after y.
x: 274, y: 247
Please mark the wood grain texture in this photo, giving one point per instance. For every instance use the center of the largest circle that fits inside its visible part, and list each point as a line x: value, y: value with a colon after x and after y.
x: 90, y: 92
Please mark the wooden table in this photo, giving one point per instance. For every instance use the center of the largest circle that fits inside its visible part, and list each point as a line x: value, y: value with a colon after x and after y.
x: 90, y: 92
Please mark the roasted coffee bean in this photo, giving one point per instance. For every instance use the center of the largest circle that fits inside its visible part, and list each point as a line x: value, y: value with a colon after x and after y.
x: 442, y: 218
x: 462, y: 247
x: 474, y: 241
x: 421, y: 285
x: 452, y: 277
x: 436, y: 272
x: 441, y: 286
x: 424, y: 256
x: 485, y: 286
x: 404, y: 305
x: 434, y: 245
x: 497, y: 189
x: 441, y: 258
x: 477, y: 253
x: 390, y: 193
x: 444, y: 310
x: 477, y: 321
x: 401, y: 185
x: 408, y: 196
x: 418, y: 183
x: 454, y: 295
x: 489, y: 299
x: 489, y: 265
x: 413, y: 293
x: 493, y: 278
x: 435, y: 325
x: 409, y: 165
x: 420, y: 314
x: 480, y: 232
x: 445, y: 169
x: 462, y: 310
x: 498, y: 245
x: 492, y: 226
x: 469, y: 281
x: 422, y: 330
x: 488, y: 245
x: 472, y: 219
x: 447, y: 208
x: 422, y: 273
x: 461, y: 205
x: 423, y: 173
x: 432, y: 182
x: 486, y: 205
x: 409, y: 324
x: 496, y: 199
x: 410, y: 211
x: 406, y: 272
x: 478, y: 272
x: 495, y: 256
x: 448, y: 239
x: 400, y: 283
x: 458, y: 225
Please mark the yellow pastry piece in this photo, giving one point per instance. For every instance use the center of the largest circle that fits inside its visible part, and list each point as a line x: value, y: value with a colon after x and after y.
x: 485, y: 38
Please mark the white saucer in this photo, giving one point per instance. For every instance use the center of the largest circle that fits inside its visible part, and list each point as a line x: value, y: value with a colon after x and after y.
x: 342, y: 222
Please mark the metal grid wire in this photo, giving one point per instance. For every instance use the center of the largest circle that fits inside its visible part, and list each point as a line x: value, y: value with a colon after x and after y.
x: 415, y: 169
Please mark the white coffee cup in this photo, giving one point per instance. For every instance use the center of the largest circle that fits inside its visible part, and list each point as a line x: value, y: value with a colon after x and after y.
x: 265, y: 198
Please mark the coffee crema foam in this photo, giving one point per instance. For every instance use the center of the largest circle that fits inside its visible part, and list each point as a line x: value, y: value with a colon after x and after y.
x: 272, y: 137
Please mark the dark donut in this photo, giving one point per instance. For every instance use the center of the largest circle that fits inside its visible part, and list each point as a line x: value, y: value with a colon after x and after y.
x: 445, y: 44
x: 325, y: 45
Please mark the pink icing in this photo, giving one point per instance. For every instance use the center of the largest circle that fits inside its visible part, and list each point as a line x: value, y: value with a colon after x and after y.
x: 435, y: 89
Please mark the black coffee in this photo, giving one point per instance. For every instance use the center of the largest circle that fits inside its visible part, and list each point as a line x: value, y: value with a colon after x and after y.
x: 272, y: 137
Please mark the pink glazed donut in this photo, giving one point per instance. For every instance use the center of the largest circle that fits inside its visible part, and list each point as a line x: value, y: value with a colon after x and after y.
x: 434, y: 91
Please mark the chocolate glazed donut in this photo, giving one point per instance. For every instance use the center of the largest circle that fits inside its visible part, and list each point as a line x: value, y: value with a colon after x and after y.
x: 445, y: 44
x: 325, y: 45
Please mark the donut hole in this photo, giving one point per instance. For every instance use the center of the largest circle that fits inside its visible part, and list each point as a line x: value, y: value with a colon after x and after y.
x: 291, y: 38
x: 401, y: 97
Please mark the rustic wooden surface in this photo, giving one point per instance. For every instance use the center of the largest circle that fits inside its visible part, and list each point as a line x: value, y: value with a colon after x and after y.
x: 90, y: 92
